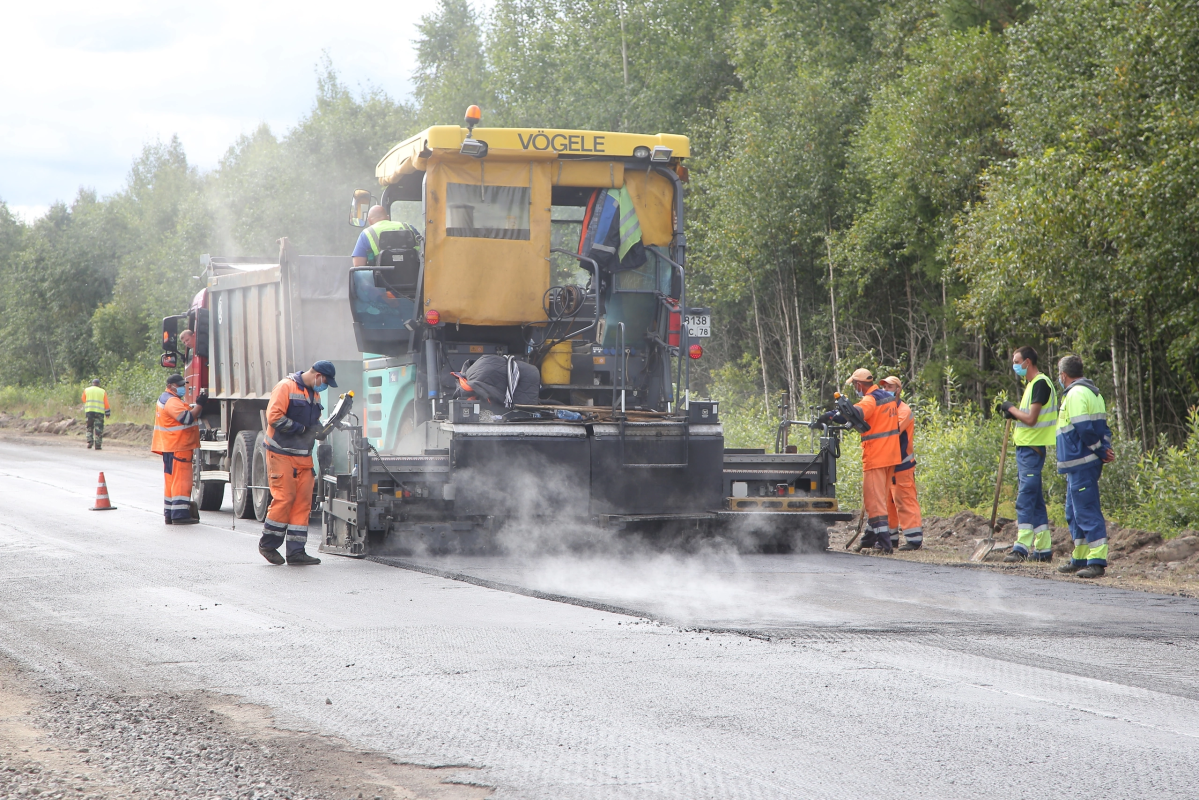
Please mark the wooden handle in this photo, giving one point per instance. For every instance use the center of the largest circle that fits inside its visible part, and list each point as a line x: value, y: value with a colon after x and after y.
x: 1007, y: 428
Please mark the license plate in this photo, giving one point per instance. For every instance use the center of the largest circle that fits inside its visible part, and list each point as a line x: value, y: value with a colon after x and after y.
x: 699, y: 326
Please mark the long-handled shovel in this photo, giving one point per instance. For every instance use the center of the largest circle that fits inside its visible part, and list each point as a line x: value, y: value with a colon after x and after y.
x: 983, y: 547
x: 861, y: 522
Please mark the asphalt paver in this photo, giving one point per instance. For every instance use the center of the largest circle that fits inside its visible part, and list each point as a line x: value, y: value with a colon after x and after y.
x: 703, y: 676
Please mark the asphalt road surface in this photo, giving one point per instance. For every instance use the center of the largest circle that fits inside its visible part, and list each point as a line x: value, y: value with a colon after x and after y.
x: 612, y: 676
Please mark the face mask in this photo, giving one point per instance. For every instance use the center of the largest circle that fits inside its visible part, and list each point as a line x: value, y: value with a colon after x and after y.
x: 1020, y: 370
x: 858, y: 392
x: 322, y: 387
x: 181, y: 390
x: 1061, y: 383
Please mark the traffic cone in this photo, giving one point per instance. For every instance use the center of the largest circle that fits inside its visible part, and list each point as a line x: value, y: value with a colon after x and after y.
x: 102, y: 503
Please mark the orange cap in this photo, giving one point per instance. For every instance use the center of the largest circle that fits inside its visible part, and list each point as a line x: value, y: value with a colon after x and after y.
x: 861, y: 374
x: 891, y: 380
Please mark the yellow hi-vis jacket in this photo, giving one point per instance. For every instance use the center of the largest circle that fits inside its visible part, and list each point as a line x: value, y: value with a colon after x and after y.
x: 1044, y: 432
x: 95, y: 400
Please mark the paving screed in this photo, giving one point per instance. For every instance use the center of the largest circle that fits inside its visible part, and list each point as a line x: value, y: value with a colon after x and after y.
x: 795, y: 676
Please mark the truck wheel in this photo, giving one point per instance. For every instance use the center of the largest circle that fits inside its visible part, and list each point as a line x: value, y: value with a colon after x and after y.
x: 239, y: 474
x: 262, y: 497
x: 208, y: 495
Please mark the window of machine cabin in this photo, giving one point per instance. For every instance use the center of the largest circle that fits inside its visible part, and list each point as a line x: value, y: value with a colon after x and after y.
x: 487, y: 212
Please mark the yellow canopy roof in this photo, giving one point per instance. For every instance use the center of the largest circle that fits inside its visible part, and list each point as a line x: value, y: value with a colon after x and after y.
x: 528, y: 144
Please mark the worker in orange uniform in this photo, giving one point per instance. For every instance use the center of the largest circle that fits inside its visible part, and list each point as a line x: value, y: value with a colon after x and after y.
x: 876, y: 418
x: 294, y: 416
x: 903, y: 508
x: 176, y: 435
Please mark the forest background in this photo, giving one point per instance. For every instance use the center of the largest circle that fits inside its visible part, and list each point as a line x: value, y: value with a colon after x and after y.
x: 915, y: 186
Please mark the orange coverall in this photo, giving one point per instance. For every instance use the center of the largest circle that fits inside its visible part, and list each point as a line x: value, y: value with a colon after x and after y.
x: 289, y: 463
x: 903, y: 509
x: 176, y: 435
x: 880, y: 455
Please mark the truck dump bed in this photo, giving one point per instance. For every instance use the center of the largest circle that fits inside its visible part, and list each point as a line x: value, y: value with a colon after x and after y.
x: 271, y: 319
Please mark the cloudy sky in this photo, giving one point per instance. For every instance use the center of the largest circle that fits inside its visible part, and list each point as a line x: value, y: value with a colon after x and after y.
x: 83, y: 86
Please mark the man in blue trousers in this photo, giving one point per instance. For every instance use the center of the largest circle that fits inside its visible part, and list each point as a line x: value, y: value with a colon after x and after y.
x: 1084, y: 445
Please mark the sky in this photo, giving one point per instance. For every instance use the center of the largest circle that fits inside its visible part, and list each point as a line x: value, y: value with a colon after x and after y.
x: 84, y: 86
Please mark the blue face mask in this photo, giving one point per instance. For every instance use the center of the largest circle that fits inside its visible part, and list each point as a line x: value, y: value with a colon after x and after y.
x: 322, y: 387
x: 181, y: 390
x: 1061, y: 383
x: 1020, y: 370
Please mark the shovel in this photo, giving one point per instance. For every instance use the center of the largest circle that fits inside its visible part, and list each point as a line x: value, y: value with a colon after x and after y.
x: 983, y: 547
x: 861, y: 521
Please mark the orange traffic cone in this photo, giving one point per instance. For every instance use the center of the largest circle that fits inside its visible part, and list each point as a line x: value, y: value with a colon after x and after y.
x: 102, y: 503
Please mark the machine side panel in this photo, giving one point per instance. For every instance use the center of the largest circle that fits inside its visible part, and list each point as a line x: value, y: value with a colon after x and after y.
x: 521, y: 477
x: 656, y: 470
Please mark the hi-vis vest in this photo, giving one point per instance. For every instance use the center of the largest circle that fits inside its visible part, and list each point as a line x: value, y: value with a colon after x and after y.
x: 880, y: 444
x: 1043, y: 433
x: 372, y: 235
x: 95, y: 400
x: 175, y: 429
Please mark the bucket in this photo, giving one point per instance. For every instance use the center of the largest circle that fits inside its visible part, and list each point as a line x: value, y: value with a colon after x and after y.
x: 555, y: 367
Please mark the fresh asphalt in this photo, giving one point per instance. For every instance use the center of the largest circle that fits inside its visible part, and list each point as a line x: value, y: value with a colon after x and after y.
x: 612, y: 676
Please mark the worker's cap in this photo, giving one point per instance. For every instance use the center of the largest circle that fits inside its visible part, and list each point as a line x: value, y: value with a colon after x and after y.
x: 327, y: 369
x: 95, y: 381
x: 175, y: 380
x: 861, y: 374
x: 892, y: 381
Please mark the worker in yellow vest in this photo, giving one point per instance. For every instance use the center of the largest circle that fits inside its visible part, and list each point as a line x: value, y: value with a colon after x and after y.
x: 1035, y: 431
x: 95, y: 409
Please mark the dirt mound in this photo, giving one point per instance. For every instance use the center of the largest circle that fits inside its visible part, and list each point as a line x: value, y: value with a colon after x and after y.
x: 1137, y: 558
x: 62, y: 425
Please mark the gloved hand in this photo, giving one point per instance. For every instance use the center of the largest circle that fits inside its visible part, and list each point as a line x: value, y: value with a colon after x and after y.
x: 108, y: 413
x: 1006, y: 406
x: 824, y: 419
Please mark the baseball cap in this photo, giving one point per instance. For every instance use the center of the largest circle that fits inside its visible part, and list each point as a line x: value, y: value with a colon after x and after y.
x: 327, y: 369
x: 892, y: 380
x: 175, y: 380
x: 861, y: 374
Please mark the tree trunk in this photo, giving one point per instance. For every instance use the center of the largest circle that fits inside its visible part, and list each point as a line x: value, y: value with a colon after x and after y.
x: 1116, y: 384
x: 832, y: 302
x: 1141, y: 397
x: 753, y: 293
x: 945, y: 337
x: 907, y: 285
x: 803, y: 388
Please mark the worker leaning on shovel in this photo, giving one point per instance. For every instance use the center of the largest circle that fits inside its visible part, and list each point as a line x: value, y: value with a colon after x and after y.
x: 176, y: 435
x: 876, y: 417
x: 294, y: 416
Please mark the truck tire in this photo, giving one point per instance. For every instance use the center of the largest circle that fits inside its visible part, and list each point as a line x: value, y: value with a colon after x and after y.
x: 262, y: 497
x: 207, y: 495
x: 240, y: 470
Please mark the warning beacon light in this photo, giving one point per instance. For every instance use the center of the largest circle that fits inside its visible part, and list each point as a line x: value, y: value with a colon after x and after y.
x: 471, y: 146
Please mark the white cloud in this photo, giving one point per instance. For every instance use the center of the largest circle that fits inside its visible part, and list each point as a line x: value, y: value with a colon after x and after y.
x: 84, y: 86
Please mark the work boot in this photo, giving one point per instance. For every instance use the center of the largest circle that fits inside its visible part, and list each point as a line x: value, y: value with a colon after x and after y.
x: 186, y: 521
x: 169, y: 521
x: 99, y: 447
x: 270, y: 555
x: 909, y: 546
x: 1042, y: 558
x: 1094, y: 571
x: 1069, y: 568
x: 89, y: 445
x: 300, y: 559
x: 1014, y: 558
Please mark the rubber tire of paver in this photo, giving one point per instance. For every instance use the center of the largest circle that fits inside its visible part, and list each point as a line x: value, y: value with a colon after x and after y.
x: 207, y: 495
x: 239, y: 474
x: 262, y: 497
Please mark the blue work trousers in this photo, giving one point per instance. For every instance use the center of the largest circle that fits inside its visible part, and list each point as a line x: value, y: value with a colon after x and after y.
x: 1032, y: 520
x: 1084, y: 517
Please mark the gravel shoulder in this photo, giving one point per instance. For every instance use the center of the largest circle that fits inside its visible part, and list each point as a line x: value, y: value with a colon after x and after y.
x: 59, y: 741
x: 1138, y: 560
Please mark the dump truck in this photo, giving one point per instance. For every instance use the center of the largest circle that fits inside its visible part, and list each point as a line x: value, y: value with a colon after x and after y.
x: 520, y: 354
